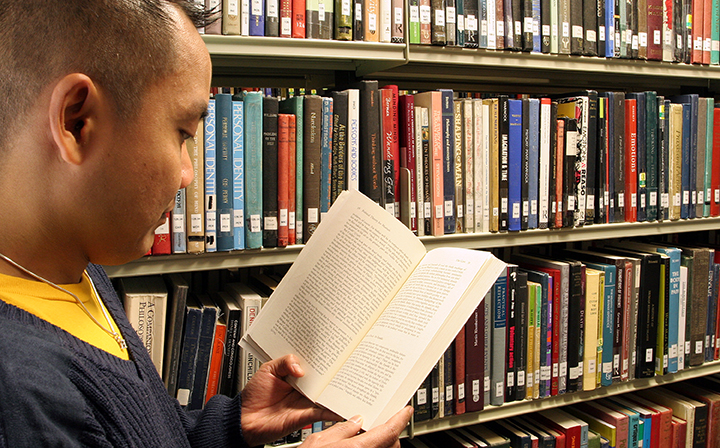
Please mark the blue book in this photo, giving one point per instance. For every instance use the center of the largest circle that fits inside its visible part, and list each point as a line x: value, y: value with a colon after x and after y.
x: 253, y: 169
x: 224, y: 169
x: 238, y: 184
x: 179, y: 234
x: 690, y: 128
x: 609, y: 29
x: 257, y: 17
x: 206, y: 336
x: 448, y: 136
x: 210, y: 179
x: 499, y: 338
x: 482, y: 24
x: 326, y: 155
x: 186, y: 369
x: 545, y: 281
x: 645, y: 420
x: 608, y: 320
x: 534, y: 162
x: 515, y: 165
x: 537, y: 27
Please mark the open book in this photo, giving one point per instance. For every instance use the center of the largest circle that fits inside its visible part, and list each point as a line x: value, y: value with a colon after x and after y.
x: 367, y: 311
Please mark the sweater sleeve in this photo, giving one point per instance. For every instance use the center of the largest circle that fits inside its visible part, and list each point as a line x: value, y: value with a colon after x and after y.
x: 216, y: 425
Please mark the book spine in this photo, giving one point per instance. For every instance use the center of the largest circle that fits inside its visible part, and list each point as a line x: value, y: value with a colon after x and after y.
x: 229, y: 365
x: 216, y: 359
x: 231, y: 17
x: 224, y: 137
x: 590, y: 157
x: 525, y: 165
x: 270, y: 172
x: 353, y: 150
x: 339, y: 144
x: 206, y: 337
x: 186, y: 369
x: 286, y: 18
x: 326, y: 13
x: 312, y: 161
x: 448, y: 151
x: 298, y: 19
x: 326, y: 160
x: 179, y: 232
x: 292, y: 180
x: 257, y: 17
x: 715, y: 33
x: 272, y: 18
x: 343, y: 20
x: 499, y: 338
x: 388, y: 155
x: 515, y: 165
x: 195, y: 195
x: 534, y: 163
x: 398, y: 22
x: 715, y: 179
x: 283, y: 173
x: 408, y: 159
x: 359, y: 20
x: 414, y: 22
x: 546, y: 21
x: 210, y: 179
x: 238, y: 224
x: 472, y: 24
x: 162, y: 244
x: 371, y: 20
x: 475, y: 360
x: 253, y: 169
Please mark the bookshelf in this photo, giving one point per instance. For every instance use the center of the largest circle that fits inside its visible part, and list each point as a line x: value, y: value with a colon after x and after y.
x: 277, y: 62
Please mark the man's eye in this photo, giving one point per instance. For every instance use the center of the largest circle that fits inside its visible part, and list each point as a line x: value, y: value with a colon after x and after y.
x: 185, y: 135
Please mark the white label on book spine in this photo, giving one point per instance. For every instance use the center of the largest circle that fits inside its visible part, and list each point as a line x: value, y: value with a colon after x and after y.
x: 633, y: 200
x: 372, y: 22
x: 676, y: 200
x: 358, y: 10
x: 571, y: 203
x: 591, y: 36
x: 653, y: 198
x: 698, y: 44
x: 196, y: 223
x: 448, y: 208
x: 601, y: 32
x: 476, y: 390
x: 500, y: 28
x: 687, y: 347
x: 255, y: 223
x: 283, y: 217
x: 673, y: 351
x: 163, y: 229
x: 642, y: 200
x: 448, y: 393
x: 321, y: 12
x: 439, y: 17
x: 668, y: 37
x: 528, y: 24
x: 183, y: 396
x: 299, y: 230
x: 525, y: 208
x: 529, y: 378
x: 656, y: 37
x: 398, y: 16
x: 700, y: 197
x: 625, y: 364
x: 686, y: 197
x: 225, y: 222
x: 499, y: 392
x: 232, y: 7
x: 414, y: 13
x: 698, y: 347
x: 642, y: 37
x: 621, y: 199
x: 421, y: 396
x: 563, y: 369
x: 313, y: 215
x: 470, y: 207
x: 533, y: 207
x: 694, y: 197
x: 210, y: 218
x: 271, y: 223
x: 616, y: 362
x: 178, y: 223
x: 591, y: 366
x: 425, y: 16
x: 545, y: 373
x: 450, y: 14
x: 566, y: 29
x: 285, y: 25
x: 390, y: 208
x: 590, y: 202
x: 635, y: 41
x: 483, y: 27
x: 346, y: 9
x: 471, y: 23
x: 574, y: 373
x: 504, y: 205
x: 607, y: 367
x: 510, y: 379
x: 272, y: 8
x: 521, y: 378
x: 427, y: 207
x: 460, y: 211
x: 717, y: 196
x: 435, y: 395
x: 649, y: 355
x: 546, y: 30
x: 257, y: 7
x: 291, y: 220
x: 516, y: 210
x: 439, y: 212
x: 555, y: 369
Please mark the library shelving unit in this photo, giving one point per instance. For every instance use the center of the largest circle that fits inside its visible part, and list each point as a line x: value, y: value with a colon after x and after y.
x: 317, y: 64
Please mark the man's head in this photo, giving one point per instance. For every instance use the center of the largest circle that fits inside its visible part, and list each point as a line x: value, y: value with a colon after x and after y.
x: 123, y: 45
x: 100, y: 96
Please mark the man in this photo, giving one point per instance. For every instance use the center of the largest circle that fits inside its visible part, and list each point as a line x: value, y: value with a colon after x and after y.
x: 99, y: 97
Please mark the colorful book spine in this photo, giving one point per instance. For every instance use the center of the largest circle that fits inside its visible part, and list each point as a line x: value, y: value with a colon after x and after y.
x: 179, y: 233
x: 224, y: 164
x: 515, y: 165
x: 326, y: 155
x: 210, y: 179
x: 253, y: 169
x: 238, y: 151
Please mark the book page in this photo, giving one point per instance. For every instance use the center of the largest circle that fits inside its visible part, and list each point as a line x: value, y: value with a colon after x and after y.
x: 354, y: 263
x: 401, y: 348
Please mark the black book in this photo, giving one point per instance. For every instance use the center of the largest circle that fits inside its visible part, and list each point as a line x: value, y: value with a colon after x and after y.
x: 647, y: 309
x: 712, y: 310
x: 601, y: 163
x: 601, y: 29
x: 592, y: 185
x: 511, y: 318
x: 552, y: 199
x: 521, y: 334
x: 545, y: 439
x: 229, y: 370
x: 422, y: 402
x: 339, y: 144
x: 618, y: 151
x: 678, y: 43
x: 206, y: 337
x: 370, y: 148
x: 527, y: 25
x: 569, y: 197
x: 525, y: 166
x: 358, y: 25
x: 448, y: 364
x: 472, y: 24
x: 188, y: 354
x: 451, y: 22
x: 504, y: 130
x: 590, y: 26
x: 577, y: 32
x: 312, y: 116
x: 663, y: 158
x: 272, y: 22
x: 435, y: 389
x: 576, y: 325
x: 177, y: 300
x: 632, y: 22
x: 545, y: 26
x: 270, y: 169
x: 687, y: 31
x: 438, y: 29
x: 518, y: 437
x: 517, y: 17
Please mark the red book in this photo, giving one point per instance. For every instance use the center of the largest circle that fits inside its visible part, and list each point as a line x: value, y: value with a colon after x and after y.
x: 408, y: 150
x: 162, y: 244
x: 631, y: 180
x: 664, y: 425
x: 655, y: 29
x: 617, y: 419
x: 715, y: 181
x: 298, y: 22
x: 475, y: 360
x: 707, y: 32
x: 711, y: 399
x: 679, y: 429
x: 292, y: 179
x: 460, y: 386
x: 698, y: 7
x: 216, y: 360
x: 559, y: 176
x: 286, y: 18
x: 283, y: 177
x: 563, y: 422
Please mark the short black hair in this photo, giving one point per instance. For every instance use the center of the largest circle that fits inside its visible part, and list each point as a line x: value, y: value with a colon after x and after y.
x: 123, y: 45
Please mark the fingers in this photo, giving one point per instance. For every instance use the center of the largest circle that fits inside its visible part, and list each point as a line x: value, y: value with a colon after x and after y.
x: 335, y: 433
x: 287, y: 365
x: 386, y: 436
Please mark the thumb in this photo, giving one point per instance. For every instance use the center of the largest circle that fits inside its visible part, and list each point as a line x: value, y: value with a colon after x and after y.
x: 282, y: 367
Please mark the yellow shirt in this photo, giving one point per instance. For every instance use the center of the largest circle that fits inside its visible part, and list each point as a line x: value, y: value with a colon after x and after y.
x: 62, y: 310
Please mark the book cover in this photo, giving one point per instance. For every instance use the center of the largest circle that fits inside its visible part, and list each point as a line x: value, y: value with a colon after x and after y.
x: 206, y: 337
x: 433, y: 102
x: 253, y: 169
x: 232, y: 314
x: 210, y: 177
x: 312, y: 162
x: 283, y: 181
x: 238, y: 172
x: 177, y: 217
x: 430, y: 339
x: 326, y: 160
x: 216, y: 359
x: 177, y: 289
x: 224, y: 168
x: 295, y: 106
x: 514, y: 176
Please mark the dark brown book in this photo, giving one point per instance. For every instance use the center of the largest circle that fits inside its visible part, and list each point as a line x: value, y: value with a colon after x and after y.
x: 437, y: 26
x: 370, y: 145
x: 270, y: 171
x: 655, y: 30
x: 697, y: 260
x: 475, y: 360
x: 311, y: 162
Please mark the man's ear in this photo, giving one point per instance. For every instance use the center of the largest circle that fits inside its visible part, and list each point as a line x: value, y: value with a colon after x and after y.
x: 73, y: 111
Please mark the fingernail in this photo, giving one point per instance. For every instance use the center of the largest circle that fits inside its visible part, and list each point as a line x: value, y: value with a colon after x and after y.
x: 296, y: 368
x: 357, y: 419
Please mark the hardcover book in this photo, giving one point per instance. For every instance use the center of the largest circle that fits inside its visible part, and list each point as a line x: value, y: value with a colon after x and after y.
x: 406, y: 321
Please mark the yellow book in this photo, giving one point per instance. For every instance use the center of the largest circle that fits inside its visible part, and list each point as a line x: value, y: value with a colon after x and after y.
x: 592, y: 297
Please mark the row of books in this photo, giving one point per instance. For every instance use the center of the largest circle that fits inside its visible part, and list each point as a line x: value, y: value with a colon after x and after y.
x: 675, y: 31
x: 268, y: 168
x: 684, y: 414
x: 191, y: 324
x: 580, y: 319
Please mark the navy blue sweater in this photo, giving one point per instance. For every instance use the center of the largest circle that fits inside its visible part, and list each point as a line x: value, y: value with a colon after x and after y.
x: 58, y: 391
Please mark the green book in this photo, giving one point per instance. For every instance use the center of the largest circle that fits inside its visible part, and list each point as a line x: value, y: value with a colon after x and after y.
x: 343, y: 20
x: 652, y: 145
